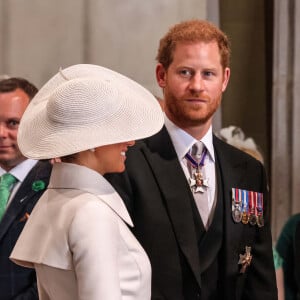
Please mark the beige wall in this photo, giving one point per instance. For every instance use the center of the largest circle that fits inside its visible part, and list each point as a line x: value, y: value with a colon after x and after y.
x: 245, y: 102
x: 285, y: 185
x: 37, y: 37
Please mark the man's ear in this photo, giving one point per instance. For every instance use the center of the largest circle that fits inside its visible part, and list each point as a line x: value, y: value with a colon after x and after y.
x: 161, y: 75
x: 225, y: 79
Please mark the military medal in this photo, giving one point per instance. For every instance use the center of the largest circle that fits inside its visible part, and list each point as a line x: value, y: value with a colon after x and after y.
x: 247, y: 207
x: 245, y: 215
x: 236, y: 206
x: 245, y: 259
x: 198, y: 183
x: 252, y: 208
x: 260, y: 221
x: 259, y: 210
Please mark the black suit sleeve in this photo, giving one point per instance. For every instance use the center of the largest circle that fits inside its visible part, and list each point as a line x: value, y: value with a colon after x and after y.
x: 31, y: 293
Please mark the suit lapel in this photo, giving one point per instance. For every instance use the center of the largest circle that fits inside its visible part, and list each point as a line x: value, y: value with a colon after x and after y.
x: 233, y: 170
x: 24, y: 195
x: 176, y: 194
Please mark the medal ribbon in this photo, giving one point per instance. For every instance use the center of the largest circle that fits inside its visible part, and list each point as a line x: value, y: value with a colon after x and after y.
x: 194, y: 163
x: 245, y: 206
x: 260, y: 204
x: 236, y: 198
x: 236, y: 205
x: 255, y: 202
x: 251, y: 204
x: 252, y: 208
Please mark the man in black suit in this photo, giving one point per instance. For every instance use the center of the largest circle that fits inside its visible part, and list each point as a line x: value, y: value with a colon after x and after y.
x: 203, y: 220
x: 30, y: 178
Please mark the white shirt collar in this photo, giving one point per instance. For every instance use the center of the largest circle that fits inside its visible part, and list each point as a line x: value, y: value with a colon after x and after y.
x: 183, y: 141
x: 21, y: 170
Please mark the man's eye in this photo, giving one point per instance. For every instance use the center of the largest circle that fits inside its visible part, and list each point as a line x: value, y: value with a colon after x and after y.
x: 13, y: 124
x: 208, y: 73
x: 185, y: 73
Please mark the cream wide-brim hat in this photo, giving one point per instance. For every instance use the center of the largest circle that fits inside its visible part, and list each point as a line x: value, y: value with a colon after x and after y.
x: 86, y: 106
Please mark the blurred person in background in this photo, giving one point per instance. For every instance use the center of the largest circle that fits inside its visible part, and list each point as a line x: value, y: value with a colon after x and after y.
x: 22, y: 182
x: 289, y: 249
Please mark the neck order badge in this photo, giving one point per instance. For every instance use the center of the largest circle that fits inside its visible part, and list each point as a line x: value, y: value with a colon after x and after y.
x: 198, y: 183
x: 6, y: 182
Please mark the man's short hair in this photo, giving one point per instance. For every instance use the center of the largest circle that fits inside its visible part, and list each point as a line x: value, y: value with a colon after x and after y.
x: 192, y: 31
x: 14, y: 83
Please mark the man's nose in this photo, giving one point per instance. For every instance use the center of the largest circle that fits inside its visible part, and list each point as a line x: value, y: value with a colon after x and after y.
x: 3, y: 130
x: 197, y: 83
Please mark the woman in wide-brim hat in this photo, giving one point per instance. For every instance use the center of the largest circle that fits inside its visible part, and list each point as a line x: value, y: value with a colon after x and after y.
x: 77, y: 237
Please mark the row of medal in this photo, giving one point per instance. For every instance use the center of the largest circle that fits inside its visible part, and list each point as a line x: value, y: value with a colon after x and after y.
x: 247, y: 207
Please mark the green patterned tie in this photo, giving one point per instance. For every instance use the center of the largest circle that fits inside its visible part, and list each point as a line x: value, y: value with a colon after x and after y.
x: 6, y: 182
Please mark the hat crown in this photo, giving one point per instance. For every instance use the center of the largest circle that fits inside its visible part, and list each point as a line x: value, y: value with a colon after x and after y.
x: 82, y: 101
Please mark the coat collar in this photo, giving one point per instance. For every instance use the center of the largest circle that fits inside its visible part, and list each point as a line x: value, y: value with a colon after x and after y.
x: 90, y: 181
x: 176, y: 192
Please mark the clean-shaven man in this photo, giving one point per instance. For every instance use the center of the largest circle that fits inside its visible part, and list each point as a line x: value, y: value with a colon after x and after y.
x: 22, y: 182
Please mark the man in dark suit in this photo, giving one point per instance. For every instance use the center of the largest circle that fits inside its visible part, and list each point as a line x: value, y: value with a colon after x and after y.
x: 30, y: 178
x: 202, y: 220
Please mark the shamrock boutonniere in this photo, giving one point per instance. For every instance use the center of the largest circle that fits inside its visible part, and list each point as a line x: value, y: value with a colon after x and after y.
x: 38, y: 185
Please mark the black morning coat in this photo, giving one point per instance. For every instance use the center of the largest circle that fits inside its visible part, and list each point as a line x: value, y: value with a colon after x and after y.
x: 187, y: 262
x: 16, y: 282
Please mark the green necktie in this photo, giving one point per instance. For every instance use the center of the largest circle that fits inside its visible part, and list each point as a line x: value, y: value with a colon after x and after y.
x: 6, y: 182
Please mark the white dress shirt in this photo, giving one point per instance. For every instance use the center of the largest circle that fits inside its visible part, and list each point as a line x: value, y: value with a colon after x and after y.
x: 183, y: 142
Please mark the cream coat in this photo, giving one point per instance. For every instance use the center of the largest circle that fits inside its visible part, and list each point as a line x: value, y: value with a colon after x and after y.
x: 79, y: 243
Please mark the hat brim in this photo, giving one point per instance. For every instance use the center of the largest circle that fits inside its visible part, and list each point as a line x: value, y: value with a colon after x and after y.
x: 135, y: 114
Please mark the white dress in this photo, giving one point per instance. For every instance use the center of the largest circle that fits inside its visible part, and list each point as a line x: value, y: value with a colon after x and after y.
x: 79, y: 243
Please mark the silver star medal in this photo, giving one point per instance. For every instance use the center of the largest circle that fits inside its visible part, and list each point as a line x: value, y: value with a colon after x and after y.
x: 198, y: 183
